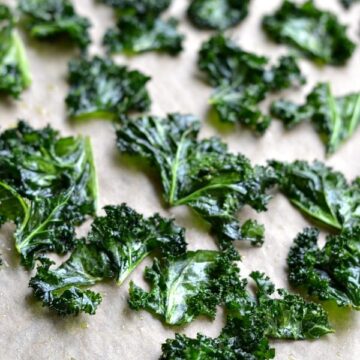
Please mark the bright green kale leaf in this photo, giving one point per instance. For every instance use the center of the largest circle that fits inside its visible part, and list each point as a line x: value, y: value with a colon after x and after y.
x: 183, y: 287
x: 41, y: 164
x: 251, y: 322
x: 139, y: 7
x: 243, y: 80
x: 116, y: 244
x: 348, y: 3
x: 288, y: 316
x: 43, y: 224
x: 221, y: 348
x: 134, y: 35
x: 320, y: 193
x: 217, y: 14
x: 316, y: 33
x: 200, y: 174
x: 331, y: 273
x: 335, y: 118
x: 100, y: 88
x: 48, y: 19
x: 14, y: 68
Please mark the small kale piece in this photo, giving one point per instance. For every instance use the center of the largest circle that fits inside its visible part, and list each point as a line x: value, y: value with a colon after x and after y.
x: 48, y: 19
x: 200, y: 174
x: 14, y: 68
x: 331, y: 273
x: 315, y: 33
x: 184, y: 287
x: 41, y: 164
x: 100, y: 88
x: 134, y: 35
x: 320, y: 192
x: 116, y: 244
x: 139, y: 7
x: 243, y: 80
x: 335, y: 118
x: 217, y: 14
x: 348, y: 3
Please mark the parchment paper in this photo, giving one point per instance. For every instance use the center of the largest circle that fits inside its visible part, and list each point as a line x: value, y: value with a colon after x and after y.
x: 28, y: 331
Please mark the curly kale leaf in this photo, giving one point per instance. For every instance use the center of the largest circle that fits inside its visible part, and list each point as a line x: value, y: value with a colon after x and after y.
x: 289, y: 316
x: 331, y: 273
x: 100, y: 88
x: 183, y: 287
x: 243, y: 80
x: 221, y: 348
x: 134, y: 35
x: 315, y: 33
x: 200, y: 174
x: 43, y: 224
x: 217, y: 14
x: 41, y: 164
x: 335, y: 118
x: 127, y: 237
x: 320, y: 192
x: 14, y: 68
x: 48, y: 19
x: 114, y: 247
x: 251, y: 322
x: 348, y: 3
x: 139, y: 7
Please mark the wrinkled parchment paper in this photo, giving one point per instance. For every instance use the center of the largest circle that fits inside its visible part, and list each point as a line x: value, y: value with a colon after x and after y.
x: 28, y: 331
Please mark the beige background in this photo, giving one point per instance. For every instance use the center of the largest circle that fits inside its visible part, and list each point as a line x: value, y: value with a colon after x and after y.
x: 28, y: 331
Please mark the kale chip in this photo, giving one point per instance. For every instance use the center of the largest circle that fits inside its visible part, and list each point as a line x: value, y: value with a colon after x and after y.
x: 335, y: 118
x: 243, y: 80
x: 133, y: 35
x: 317, y: 34
x: 320, y: 193
x: 51, y: 182
x: 49, y: 19
x: 139, y: 7
x: 330, y: 273
x: 251, y: 322
x: 184, y: 287
x: 217, y: 14
x: 116, y: 244
x: 100, y: 88
x: 14, y: 68
x: 200, y: 174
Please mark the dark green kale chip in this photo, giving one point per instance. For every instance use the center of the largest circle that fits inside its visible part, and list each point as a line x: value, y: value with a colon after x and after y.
x: 116, y: 244
x: 48, y: 186
x: 139, y: 7
x: 243, y: 80
x: 184, y: 287
x: 335, y: 118
x: 251, y: 322
x: 14, y: 68
x: 200, y: 174
x: 134, y: 35
x: 49, y: 19
x: 331, y: 273
x: 317, y: 34
x: 100, y: 88
x: 217, y: 14
x: 348, y: 3
x: 41, y: 164
x: 320, y: 193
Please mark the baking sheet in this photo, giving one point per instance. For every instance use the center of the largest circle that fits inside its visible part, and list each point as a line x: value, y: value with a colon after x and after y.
x: 28, y: 331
